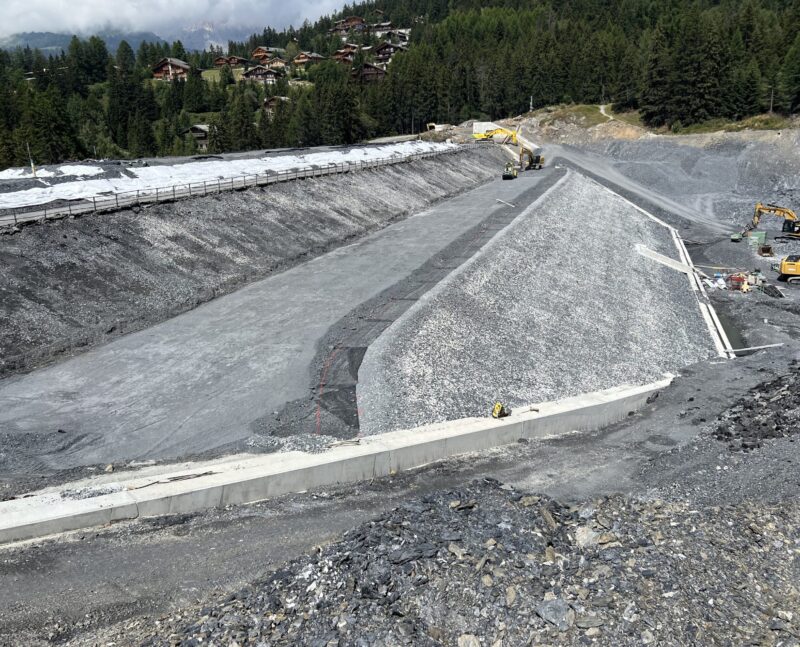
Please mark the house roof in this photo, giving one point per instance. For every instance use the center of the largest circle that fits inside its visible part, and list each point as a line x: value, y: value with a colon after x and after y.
x: 370, y: 69
x: 380, y: 47
x: 261, y: 69
x: 175, y: 62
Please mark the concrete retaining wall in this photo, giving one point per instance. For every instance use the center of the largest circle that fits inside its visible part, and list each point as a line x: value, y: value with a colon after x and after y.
x: 255, y: 478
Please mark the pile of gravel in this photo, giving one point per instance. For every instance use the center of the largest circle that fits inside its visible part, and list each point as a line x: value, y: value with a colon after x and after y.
x: 489, y: 566
x: 770, y: 410
x: 558, y: 304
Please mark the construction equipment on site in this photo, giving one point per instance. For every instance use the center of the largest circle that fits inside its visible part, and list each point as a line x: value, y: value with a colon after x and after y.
x: 789, y: 269
x: 510, y: 171
x: 791, y: 224
x: 499, y: 410
x: 508, y: 135
x: 529, y: 160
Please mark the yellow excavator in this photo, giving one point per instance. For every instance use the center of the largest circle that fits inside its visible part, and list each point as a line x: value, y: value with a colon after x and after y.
x: 789, y: 269
x: 507, y: 133
x: 527, y: 159
x: 530, y: 160
x: 791, y: 224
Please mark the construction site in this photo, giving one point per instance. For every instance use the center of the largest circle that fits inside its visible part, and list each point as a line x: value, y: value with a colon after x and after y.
x: 527, y: 382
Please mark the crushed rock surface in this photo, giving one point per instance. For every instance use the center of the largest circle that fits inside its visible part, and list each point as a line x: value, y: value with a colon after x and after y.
x: 544, y: 311
x: 71, y: 284
x: 486, y: 565
x: 722, y: 175
x: 770, y: 410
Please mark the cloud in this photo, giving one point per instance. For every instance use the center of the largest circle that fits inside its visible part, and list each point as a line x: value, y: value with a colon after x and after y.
x: 164, y: 17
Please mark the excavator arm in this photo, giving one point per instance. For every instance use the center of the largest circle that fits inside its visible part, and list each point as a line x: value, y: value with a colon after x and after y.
x: 510, y: 135
x: 791, y: 224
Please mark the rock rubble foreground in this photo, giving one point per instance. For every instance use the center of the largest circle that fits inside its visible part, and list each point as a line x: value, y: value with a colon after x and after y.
x: 487, y: 565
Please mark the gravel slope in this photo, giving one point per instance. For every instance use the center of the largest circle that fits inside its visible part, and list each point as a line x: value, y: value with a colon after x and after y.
x: 75, y: 283
x: 719, y: 174
x: 544, y: 311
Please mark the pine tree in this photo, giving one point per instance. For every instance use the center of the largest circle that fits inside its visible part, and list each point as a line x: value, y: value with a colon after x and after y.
x: 194, y: 92
x: 790, y: 78
x: 126, y: 59
x: 141, y: 141
x: 279, y: 126
x: 263, y: 129
x: 242, y: 134
x: 657, y: 90
x: 303, y: 127
x: 226, y: 76
x: 218, y: 141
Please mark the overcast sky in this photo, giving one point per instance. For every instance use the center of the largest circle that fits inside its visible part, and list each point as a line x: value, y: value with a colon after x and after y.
x: 159, y: 16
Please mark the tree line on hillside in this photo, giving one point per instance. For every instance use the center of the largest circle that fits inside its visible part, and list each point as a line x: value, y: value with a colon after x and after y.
x: 678, y: 62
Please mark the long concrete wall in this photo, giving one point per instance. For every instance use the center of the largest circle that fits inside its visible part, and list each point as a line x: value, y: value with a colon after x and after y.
x: 255, y: 478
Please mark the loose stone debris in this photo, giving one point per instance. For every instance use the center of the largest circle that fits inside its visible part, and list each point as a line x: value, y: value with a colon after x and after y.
x: 771, y: 410
x: 486, y: 565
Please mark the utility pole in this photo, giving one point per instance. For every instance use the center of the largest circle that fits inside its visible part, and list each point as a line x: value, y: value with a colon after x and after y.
x: 30, y: 158
x: 771, y: 98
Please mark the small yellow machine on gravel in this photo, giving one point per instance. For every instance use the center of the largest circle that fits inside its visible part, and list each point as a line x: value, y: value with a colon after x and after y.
x: 510, y: 171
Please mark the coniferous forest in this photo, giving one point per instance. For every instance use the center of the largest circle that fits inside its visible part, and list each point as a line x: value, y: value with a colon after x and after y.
x: 678, y: 62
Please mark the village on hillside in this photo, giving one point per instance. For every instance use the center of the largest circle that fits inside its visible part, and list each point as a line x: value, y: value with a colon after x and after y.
x: 269, y: 65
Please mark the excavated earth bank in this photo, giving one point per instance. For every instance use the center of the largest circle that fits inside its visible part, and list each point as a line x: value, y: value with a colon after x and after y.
x: 559, y: 303
x: 722, y: 174
x: 77, y: 283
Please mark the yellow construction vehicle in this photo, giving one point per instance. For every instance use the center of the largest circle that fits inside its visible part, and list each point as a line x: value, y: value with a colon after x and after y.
x: 791, y: 225
x: 789, y: 269
x: 529, y: 160
x: 510, y: 171
x: 489, y: 135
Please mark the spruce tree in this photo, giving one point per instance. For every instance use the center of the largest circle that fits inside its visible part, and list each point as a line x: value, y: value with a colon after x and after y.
x: 657, y: 88
x: 790, y: 78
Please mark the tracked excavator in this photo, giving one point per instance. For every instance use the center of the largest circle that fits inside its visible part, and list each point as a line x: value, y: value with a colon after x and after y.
x: 789, y: 266
x: 528, y: 160
x: 791, y: 224
x: 789, y: 269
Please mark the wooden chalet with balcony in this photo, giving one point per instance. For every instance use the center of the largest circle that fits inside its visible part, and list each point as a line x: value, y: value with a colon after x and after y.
x: 385, y: 51
x: 171, y: 69
x: 369, y: 73
x: 262, y: 74
x: 231, y: 61
x: 305, y: 59
x: 263, y: 54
